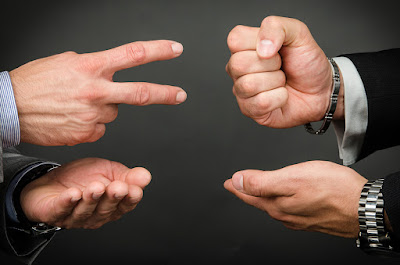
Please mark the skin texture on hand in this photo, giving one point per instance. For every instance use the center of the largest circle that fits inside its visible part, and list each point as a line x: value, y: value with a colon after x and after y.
x: 312, y: 196
x: 281, y: 76
x: 67, y: 99
x: 85, y: 193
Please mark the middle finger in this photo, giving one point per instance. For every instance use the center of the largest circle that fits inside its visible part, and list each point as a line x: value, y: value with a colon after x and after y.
x: 248, y: 62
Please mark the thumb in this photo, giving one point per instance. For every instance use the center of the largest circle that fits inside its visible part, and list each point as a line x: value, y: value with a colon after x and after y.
x: 260, y: 183
x: 276, y: 32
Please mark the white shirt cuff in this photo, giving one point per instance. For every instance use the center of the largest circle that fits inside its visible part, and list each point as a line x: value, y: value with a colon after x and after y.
x: 350, y: 132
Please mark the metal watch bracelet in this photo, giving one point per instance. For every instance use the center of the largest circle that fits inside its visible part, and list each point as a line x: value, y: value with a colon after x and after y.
x: 332, y: 106
x: 372, y: 235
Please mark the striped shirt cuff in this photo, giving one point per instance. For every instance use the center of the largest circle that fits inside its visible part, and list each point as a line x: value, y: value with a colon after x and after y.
x: 9, y: 122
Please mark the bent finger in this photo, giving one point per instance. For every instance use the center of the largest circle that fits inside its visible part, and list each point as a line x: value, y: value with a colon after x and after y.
x: 248, y: 62
x: 115, y: 192
x: 252, y: 84
x: 85, y: 208
x: 263, y: 103
x: 130, y: 201
x: 64, y: 205
x: 242, y: 38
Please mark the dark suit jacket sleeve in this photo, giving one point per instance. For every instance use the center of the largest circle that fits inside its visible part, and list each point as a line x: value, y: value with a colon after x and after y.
x: 15, y: 244
x: 380, y: 73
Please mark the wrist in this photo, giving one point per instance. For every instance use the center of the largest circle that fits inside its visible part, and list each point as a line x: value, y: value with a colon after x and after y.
x: 26, y: 177
x: 333, y: 100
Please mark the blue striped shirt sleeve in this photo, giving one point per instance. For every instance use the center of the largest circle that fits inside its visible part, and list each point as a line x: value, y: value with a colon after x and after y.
x: 9, y: 122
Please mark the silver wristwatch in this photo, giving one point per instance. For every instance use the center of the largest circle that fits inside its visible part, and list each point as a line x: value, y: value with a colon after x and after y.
x: 373, y: 238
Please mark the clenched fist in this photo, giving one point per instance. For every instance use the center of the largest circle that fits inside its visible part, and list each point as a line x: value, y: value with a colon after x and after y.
x: 281, y: 76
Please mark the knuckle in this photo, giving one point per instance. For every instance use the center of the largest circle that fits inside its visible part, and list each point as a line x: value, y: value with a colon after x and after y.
x: 114, y: 114
x: 271, y: 20
x: 246, y: 85
x: 92, y: 94
x: 281, y: 77
x: 261, y: 103
x: 169, y: 96
x: 141, y: 95
x: 82, y: 136
x: 98, y: 133
x: 262, y: 121
x: 103, y: 214
x: 253, y: 185
x: 136, y: 52
x: 88, y: 117
x: 233, y: 39
x: 277, y: 61
x: 91, y: 64
x: 83, y: 215
x: 236, y: 68
x: 256, y: 109
x: 277, y: 215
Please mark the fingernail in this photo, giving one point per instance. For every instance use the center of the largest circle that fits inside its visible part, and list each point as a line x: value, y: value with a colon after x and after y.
x: 177, y: 48
x: 96, y: 196
x: 119, y: 196
x: 181, y: 97
x: 237, y: 181
x: 75, y: 199
x: 265, y: 48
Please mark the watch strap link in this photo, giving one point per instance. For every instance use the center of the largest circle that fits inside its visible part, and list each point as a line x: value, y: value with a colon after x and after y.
x: 371, y: 218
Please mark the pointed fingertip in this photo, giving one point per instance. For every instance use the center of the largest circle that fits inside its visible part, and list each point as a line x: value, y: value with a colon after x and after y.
x: 181, y: 97
x: 227, y: 184
x: 177, y: 48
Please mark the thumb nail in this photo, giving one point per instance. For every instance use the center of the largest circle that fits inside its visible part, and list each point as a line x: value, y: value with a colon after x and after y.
x: 265, y: 48
x: 237, y: 181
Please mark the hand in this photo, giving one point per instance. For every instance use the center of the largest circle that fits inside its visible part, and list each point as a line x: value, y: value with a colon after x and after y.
x: 314, y: 196
x: 281, y: 76
x: 67, y: 99
x: 86, y: 193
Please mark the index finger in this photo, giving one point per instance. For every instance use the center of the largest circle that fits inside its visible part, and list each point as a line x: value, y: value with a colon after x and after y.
x: 242, y: 38
x: 139, y: 53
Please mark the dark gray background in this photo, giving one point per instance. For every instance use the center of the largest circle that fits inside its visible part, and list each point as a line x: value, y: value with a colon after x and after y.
x: 186, y: 216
